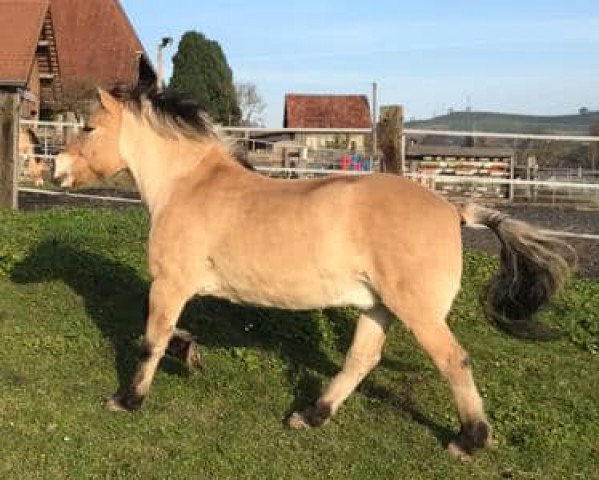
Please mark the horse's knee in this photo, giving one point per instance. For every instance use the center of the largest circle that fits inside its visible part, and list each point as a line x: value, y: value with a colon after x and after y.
x: 459, y: 360
x: 456, y: 362
x: 362, y: 363
x: 465, y: 361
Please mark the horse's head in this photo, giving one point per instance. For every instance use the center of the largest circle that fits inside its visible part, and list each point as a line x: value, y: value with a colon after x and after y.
x: 71, y: 168
x: 94, y: 153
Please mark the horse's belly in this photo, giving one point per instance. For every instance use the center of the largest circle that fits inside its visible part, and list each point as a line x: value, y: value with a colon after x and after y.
x: 303, y: 295
x: 358, y: 295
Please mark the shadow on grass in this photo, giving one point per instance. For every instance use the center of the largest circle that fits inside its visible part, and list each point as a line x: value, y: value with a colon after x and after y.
x: 114, y: 295
x: 116, y: 300
x: 405, y: 402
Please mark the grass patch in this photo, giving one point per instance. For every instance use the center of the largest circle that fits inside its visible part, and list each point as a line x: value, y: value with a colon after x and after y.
x: 73, y: 287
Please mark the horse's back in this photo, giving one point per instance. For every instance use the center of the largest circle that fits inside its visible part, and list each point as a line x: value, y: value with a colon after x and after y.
x: 301, y: 218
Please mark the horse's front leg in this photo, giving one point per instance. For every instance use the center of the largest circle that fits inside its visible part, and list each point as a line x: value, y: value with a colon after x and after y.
x: 167, y: 299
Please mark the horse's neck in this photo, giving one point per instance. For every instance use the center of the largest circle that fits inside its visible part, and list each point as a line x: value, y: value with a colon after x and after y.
x: 160, y: 165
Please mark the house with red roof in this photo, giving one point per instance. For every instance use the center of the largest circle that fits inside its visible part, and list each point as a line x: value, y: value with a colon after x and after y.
x: 308, y: 111
x: 50, y: 47
x: 346, y: 117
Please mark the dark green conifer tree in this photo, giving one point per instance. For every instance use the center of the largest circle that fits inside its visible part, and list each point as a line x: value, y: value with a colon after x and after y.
x: 200, y: 69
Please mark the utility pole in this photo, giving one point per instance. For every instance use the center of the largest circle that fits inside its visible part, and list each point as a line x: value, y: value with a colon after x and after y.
x: 165, y: 42
x: 9, y: 124
x: 374, y: 124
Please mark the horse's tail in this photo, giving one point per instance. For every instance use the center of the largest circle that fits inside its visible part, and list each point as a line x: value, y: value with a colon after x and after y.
x: 534, y: 265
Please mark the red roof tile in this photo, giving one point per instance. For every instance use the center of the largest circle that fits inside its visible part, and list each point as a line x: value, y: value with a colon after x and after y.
x: 20, y: 26
x: 327, y: 111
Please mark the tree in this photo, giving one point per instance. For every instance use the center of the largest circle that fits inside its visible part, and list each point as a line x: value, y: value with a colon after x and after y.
x: 200, y: 69
x: 251, y: 104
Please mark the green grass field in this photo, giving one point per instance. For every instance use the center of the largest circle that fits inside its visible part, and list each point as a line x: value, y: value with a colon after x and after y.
x: 73, y: 286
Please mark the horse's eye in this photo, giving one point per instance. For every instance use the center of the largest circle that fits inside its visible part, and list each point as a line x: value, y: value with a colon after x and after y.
x: 87, y: 129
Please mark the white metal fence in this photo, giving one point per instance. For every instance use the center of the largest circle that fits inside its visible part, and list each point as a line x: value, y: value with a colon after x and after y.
x: 551, y: 185
x: 542, y: 184
x: 38, y: 143
x: 50, y: 137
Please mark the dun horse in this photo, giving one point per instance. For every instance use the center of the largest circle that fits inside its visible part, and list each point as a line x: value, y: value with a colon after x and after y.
x: 380, y: 243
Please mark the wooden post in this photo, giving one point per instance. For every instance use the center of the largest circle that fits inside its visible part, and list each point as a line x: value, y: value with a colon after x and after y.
x: 284, y: 157
x: 512, y: 175
x: 248, y: 145
x: 390, y: 138
x: 9, y: 119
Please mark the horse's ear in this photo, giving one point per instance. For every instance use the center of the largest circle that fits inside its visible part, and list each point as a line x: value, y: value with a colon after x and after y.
x: 109, y: 103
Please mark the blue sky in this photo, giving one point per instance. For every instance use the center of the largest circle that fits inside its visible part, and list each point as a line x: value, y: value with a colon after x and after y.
x: 526, y: 56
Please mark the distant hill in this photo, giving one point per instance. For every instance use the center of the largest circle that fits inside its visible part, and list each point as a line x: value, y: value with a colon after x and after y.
x: 511, y: 123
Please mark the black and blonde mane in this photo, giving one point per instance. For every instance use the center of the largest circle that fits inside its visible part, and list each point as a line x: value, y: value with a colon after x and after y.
x: 173, y: 114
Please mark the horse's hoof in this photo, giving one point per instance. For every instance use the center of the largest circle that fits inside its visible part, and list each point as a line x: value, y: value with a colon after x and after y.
x: 193, y: 359
x: 473, y: 436
x: 113, y: 404
x: 314, y: 416
x: 456, y: 452
x: 296, y: 421
x: 123, y: 403
x: 185, y: 349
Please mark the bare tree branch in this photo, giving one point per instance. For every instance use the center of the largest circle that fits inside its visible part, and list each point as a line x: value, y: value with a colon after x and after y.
x: 251, y: 104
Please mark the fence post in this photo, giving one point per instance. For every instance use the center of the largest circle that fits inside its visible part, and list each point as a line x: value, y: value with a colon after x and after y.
x: 374, y: 127
x: 9, y: 119
x: 512, y: 175
x: 390, y: 138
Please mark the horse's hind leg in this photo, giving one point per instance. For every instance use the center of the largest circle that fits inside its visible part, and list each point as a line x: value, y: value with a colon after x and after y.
x: 426, y: 319
x: 364, y: 354
x: 166, y: 303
